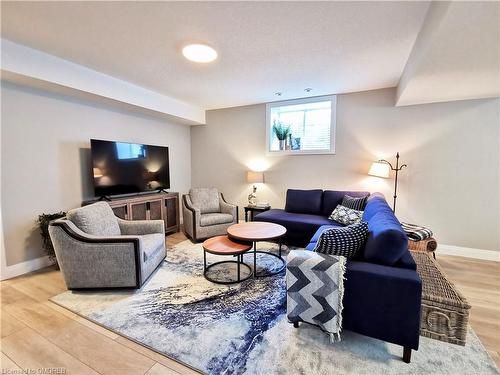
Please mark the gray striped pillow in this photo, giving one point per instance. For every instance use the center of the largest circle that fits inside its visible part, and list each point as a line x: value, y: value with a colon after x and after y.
x: 357, y: 204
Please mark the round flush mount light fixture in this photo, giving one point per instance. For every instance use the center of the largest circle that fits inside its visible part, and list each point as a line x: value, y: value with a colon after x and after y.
x: 308, y: 89
x: 200, y: 53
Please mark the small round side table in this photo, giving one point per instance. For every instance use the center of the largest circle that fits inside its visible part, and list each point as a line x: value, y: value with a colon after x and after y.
x: 223, y: 245
x: 255, y: 231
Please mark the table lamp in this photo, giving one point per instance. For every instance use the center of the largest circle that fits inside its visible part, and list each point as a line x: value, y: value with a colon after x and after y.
x: 382, y: 168
x: 254, y: 178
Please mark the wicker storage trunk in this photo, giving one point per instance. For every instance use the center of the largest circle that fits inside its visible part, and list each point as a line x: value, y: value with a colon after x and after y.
x: 429, y: 244
x: 445, y: 312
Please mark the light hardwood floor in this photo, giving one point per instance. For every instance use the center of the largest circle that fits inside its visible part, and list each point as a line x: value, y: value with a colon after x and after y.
x: 36, y: 333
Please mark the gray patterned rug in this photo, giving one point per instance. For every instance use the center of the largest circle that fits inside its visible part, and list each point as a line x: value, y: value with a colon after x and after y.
x: 242, y: 329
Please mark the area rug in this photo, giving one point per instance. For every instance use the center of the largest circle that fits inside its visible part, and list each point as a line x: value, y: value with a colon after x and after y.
x: 242, y: 329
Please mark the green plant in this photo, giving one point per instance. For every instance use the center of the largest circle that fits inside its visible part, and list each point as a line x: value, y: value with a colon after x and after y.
x: 43, y: 223
x: 280, y: 130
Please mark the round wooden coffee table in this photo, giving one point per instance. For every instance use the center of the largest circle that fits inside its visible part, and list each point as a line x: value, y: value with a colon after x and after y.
x: 259, y: 231
x: 222, y: 245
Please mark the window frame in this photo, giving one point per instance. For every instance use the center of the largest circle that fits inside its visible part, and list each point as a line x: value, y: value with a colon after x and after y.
x: 333, y: 125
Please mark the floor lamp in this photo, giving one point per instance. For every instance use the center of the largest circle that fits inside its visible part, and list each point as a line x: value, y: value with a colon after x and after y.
x: 382, y: 168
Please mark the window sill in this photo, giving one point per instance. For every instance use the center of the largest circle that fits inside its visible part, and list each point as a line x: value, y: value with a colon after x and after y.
x: 299, y: 152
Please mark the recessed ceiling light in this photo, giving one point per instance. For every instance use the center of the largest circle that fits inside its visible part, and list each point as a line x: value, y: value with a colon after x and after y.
x: 200, y: 53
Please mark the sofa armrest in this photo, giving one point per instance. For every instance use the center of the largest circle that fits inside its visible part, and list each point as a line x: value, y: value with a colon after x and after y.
x: 383, y: 302
x: 141, y: 227
x: 191, y: 216
x: 228, y: 208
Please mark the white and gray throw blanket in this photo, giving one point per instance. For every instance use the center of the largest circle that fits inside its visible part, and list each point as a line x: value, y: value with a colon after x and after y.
x: 315, y: 289
x: 416, y: 232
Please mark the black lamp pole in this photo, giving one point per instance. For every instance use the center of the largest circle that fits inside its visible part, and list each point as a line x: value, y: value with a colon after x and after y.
x: 396, y: 169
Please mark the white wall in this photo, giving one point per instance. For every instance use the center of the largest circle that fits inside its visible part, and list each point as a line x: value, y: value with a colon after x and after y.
x: 46, y: 157
x: 452, y: 150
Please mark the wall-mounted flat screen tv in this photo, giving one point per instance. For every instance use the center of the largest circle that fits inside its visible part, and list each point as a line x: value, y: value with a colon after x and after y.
x: 128, y: 168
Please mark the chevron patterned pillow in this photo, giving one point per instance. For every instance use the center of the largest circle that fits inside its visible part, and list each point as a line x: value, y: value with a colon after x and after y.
x: 345, y: 241
x: 345, y: 215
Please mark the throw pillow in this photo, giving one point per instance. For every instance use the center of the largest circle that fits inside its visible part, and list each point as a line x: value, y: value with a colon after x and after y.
x: 344, y: 241
x: 344, y: 215
x: 354, y: 203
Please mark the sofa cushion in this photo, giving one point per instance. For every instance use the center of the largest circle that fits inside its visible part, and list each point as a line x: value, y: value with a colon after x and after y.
x: 152, y: 244
x: 304, y: 201
x: 344, y: 241
x: 300, y: 227
x: 354, y: 203
x: 205, y: 199
x: 344, y: 215
x: 332, y: 199
x: 207, y: 220
x: 386, y: 242
x: 374, y: 204
x: 97, y: 219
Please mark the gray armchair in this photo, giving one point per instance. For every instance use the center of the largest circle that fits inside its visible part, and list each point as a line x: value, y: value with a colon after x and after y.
x: 206, y: 213
x: 96, y: 249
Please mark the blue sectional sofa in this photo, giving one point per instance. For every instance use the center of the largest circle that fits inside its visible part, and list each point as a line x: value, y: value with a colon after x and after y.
x: 306, y: 211
x: 382, y: 289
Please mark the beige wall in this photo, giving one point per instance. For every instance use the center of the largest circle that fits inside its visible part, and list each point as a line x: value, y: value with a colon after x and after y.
x: 452, y: 151
x: 46, y: 157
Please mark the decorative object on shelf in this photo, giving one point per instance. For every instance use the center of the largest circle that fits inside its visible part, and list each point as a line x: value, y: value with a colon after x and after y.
x: 281, y: 131
x: 43, y: 223
x: 295, y: 143
x: 382, y: 168
x: 288, y: 143
x: 254, y: 178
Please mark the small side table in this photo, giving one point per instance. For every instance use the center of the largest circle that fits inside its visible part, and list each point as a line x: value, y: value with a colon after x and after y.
x: 253, y: 210
x: 223, y: 245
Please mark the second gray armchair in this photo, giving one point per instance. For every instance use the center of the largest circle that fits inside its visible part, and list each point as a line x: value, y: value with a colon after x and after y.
x: 207, y: 214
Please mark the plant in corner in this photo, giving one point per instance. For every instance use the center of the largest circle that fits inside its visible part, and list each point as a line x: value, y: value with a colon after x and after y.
x: 281, y: 131
x: 43, y: 223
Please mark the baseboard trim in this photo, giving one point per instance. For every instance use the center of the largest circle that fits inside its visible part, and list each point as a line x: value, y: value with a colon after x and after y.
x: 468, y: 252
x: 8, y: 272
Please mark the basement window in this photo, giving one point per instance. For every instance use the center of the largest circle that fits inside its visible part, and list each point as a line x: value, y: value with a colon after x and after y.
x: 301, y: 126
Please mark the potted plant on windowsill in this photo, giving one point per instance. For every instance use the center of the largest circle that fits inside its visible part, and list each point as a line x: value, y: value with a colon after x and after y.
x: 281, y: 131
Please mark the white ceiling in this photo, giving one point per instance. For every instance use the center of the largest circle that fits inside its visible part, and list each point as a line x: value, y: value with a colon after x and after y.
x: 332, y: 47
x: 456, y: 55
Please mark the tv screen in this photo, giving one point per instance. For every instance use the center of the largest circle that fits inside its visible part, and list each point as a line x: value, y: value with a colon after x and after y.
x: 128, y: 168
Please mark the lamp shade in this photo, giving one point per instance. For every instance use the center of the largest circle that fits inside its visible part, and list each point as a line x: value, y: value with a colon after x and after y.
x: 255, y: 177
x: 379, y: 169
